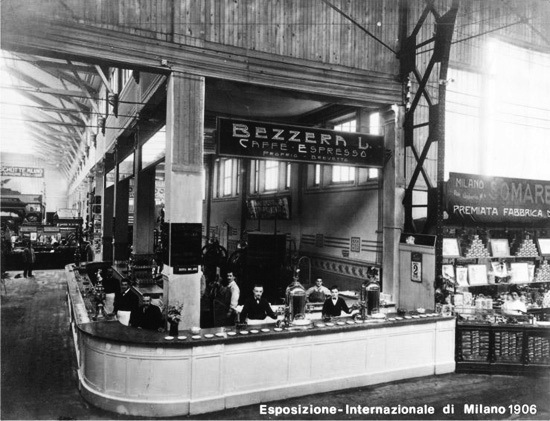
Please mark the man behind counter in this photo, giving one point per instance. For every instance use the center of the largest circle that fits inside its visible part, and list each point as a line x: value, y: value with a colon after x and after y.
x: 334, y: 305
x: 148, y: 316
x: 317, y: 293
x: 125, y: 302
x: 257, y: 307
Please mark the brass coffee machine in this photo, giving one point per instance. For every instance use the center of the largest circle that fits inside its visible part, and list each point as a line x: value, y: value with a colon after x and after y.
x: 295, y: 303
x: 369, y: 300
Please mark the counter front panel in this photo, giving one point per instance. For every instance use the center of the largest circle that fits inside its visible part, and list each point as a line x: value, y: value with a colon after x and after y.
x: 137, y: 372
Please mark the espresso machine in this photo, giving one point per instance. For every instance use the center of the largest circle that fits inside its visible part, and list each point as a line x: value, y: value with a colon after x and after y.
x: 295, y: 303
x: 369, y: 300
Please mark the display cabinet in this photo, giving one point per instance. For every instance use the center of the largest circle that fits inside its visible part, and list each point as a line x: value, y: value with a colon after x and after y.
x: 521, y: 347
x: 487, y: 263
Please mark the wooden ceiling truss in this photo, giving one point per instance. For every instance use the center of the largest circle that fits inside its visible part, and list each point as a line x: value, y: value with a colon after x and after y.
x: 62, y: 101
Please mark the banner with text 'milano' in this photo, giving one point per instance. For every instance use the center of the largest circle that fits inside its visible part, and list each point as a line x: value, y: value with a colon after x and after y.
x: 476, y: 199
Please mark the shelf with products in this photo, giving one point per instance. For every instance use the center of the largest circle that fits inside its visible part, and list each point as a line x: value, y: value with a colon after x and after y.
x: 484, y: 265
x: 482, y: 257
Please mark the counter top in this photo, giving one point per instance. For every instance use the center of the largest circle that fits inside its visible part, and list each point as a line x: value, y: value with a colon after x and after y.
x: 114, y: 331
x: 507, y: 326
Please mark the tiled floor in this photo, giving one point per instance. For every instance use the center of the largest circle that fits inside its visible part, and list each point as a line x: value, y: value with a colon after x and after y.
x: 39, y: 377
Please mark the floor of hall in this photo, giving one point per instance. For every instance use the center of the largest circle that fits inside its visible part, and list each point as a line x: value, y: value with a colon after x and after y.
x: 39, y: 373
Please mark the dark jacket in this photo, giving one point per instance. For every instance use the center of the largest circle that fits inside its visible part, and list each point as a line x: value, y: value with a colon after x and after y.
x: 111, y: 285
x: 330, y: 309
x: 126, y: 302
x: 149, y: 317
x: 257, y: 311
x: 28, y: 256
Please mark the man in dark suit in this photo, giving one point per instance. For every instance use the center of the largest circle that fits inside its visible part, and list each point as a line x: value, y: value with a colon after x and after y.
x: 334, y: 306
x: 148, y: 316
x: 29, y: 257
x: 125, y: 302
x: 257, y: 307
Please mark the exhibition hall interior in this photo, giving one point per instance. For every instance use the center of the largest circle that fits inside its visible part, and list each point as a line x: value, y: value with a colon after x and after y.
x: 225, y: 204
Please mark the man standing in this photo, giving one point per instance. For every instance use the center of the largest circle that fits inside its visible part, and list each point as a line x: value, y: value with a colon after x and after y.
x: 148, y: 316
x: 125, y: 302
x: 334, y: 306
x: 257, y: 307
x: 317, y: 293
x: 234, y: 297
x: 226, y: 301
x: 29, y: 259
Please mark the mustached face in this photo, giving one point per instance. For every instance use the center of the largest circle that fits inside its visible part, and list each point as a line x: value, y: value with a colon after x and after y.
x: 258, y: 291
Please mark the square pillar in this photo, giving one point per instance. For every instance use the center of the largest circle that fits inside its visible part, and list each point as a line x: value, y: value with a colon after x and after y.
x: 144, y: 208
x: 120, y: 228
x: 97, y: 220
x: 393, y: 191
x: 184, y: 174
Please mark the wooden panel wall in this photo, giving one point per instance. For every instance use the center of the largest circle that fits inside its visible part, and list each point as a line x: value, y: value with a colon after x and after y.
x: 304, y: 29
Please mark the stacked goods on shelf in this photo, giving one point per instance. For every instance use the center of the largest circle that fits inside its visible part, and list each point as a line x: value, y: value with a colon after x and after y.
x: 543, y: 272
x: 527, y: 248
x: 508, y: 346
x: 477, y: 249
x: 475, y: 345
x: 539, y: 350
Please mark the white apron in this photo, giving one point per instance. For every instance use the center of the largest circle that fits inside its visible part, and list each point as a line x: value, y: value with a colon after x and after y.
x: 123, y: 317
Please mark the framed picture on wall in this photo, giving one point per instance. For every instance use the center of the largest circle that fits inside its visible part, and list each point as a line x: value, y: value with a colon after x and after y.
x: 462, y: 276
x: 477, y: 274
x: 500, y: 247
x: 450, y: 247
x: 448, y: 272
x: 544, y: 246
x: 520, y: 273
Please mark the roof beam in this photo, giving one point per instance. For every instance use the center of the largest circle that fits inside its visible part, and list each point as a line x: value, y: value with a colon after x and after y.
x: 48, y: 131
x: 91, y: 95
x: 27, y: 79
x: 104, y: 79
x: 45, y: 90
x: 73, y: 127
x: 62, y: 112
x: 63, y: 78
x: 118, y: 49
x: 71, y: 79
x: 84, y: 118
x: 53, y: 145
x: 61, y: 64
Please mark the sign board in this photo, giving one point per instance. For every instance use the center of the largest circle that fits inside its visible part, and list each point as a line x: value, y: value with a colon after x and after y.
x: 476, y: 199
x: 182, y: 243
x: 259, y: 140
x: 416, y: 267
x: 11, y: 171
x: 269, y: 208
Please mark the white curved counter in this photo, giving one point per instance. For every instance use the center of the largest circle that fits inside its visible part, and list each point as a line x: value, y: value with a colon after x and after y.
x: 137, y: 372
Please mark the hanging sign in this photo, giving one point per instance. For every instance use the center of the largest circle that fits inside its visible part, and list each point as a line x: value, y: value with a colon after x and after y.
x: 10, y: 171
x: 269, y: 208
x: 257, y: 140
x: 416, y: 267
x: 477, y: 199
x: 182, y: 246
